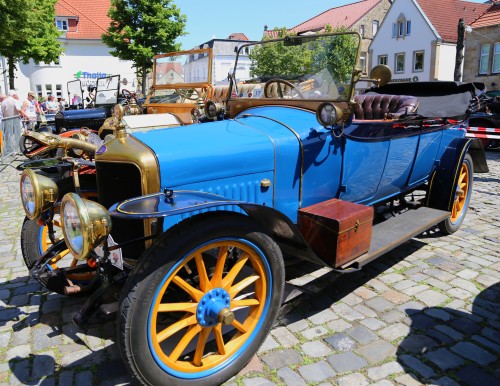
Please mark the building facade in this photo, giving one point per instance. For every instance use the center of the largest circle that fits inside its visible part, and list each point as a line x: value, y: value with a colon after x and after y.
x: 418, y: 38
x: 85, y: 56
x: 482, y: 49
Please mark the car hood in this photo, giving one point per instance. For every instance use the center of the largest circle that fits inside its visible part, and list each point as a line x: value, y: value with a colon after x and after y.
x: 260, y: 141
x: 209, y: 151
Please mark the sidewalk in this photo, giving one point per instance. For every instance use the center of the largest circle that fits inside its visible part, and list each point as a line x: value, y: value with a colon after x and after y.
x: 426, y: 313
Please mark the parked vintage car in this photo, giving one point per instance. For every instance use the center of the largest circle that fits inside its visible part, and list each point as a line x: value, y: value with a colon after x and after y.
x: 191, y: 226
x: 485, y: 124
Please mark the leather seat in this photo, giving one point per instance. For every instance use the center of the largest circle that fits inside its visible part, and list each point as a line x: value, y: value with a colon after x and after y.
x: 220, y: 93
x: 382, y: 106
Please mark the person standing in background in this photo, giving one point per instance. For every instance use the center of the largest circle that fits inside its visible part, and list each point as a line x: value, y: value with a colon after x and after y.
x: 52, y: 105
x: 11, y: 106
x: 2, y: 97
x: 29, y: 110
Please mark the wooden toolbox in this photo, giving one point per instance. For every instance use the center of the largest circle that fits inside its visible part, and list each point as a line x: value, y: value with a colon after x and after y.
x: 338, y: 231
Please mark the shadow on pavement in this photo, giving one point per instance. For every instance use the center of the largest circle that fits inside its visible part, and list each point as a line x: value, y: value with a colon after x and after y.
x: 448, y: 347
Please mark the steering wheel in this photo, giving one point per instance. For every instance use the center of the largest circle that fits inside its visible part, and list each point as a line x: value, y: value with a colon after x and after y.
x: 129, y: 96
x: 281, y: 90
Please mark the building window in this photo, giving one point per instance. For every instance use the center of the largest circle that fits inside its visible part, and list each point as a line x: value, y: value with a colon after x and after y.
x: 374, y: 27
x: 495, y: 68
x: 418, y: 61
x: 59, y: 90
x: 362, y: 30
x: 382, y: 59
x: 484, y: 59
x: 48, y: 89
x: 62, y: 24
x: 362, y: 62
x: 39, y: 90
x: 401, y: 29
x: 408, y: 27
x: 400, y: 63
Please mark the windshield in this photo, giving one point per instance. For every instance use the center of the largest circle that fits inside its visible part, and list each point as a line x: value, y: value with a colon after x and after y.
x: 319, y: 67
x: 182, y: 68
x: 75, y: 92
x: 179, y: 77
x: 107, y: 90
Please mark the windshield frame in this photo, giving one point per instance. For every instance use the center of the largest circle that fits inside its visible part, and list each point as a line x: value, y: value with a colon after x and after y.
x: 232, y: 94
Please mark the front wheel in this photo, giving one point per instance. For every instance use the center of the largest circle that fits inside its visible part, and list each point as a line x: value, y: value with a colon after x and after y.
x: 461, y: 200
x: 201, y: 302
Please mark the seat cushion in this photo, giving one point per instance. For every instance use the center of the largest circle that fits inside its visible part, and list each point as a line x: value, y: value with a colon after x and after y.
x: 381, y: 106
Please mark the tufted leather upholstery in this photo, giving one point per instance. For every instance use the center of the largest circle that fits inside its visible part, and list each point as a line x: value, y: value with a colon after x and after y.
x: 220, y: 93
x: 381, y: 106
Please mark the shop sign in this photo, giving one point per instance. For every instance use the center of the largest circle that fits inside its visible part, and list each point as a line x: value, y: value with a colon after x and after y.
x: 90, y: 75
x: 414, y: 79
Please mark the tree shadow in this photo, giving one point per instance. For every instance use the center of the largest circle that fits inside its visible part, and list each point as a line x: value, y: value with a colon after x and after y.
x: 446, y: 346
x: 41, y: 322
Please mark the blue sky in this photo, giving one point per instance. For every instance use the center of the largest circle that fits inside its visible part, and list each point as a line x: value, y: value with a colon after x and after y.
x: 220, y: 18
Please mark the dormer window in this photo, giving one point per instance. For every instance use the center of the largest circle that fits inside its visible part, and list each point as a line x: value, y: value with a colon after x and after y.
x: 62, y: 24
x: 401, y: 28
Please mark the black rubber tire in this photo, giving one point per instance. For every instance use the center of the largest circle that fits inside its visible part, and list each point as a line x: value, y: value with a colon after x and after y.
x: 154, y: 267
x: 448, y: 226
x: 30, y: 231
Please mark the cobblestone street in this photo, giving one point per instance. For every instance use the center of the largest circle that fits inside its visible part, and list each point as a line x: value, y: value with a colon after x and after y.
x: 426, y: 313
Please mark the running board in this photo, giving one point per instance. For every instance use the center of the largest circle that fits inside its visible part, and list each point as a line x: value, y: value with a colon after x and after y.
x: 395, y: 231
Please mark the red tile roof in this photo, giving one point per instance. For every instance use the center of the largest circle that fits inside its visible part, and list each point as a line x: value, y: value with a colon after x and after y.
x: 92, y: 16
x: 344, y: 16
x: 489, y: 19
x: 238, y: 36
x: 444, y: 15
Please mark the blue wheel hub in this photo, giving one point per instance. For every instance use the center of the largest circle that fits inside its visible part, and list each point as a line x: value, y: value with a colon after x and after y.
x: 210, y: 305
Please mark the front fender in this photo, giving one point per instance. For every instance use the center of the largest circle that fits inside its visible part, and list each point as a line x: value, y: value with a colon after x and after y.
x: 172, y: 203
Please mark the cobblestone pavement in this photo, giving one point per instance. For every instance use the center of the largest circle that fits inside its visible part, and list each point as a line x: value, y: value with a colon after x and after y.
x: 426, y: 313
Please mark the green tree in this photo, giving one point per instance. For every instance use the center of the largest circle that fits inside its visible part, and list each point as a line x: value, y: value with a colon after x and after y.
x: 277, y: 59
x: 140, y: 29
x: 28, y: 32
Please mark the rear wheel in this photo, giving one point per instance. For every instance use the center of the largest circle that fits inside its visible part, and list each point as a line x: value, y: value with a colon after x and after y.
x: 201, y: 302
x: 461, y: 199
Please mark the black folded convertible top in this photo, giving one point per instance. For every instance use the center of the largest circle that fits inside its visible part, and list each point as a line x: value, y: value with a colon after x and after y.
x: 438, y: 99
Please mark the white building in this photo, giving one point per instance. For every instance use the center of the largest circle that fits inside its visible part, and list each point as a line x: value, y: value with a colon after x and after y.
x: 418, y: 38
x: 85, y: 56
x: 224, y: 56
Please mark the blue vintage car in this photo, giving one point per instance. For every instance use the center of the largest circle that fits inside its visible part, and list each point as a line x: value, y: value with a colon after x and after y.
x: 191, y: 226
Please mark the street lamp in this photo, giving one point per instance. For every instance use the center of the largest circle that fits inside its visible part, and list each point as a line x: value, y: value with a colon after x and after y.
x: 469, y: 30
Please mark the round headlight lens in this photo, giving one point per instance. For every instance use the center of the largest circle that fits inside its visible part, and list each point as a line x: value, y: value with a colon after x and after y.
x: 38, y: 193
x: 211, y: 109
x: 85, y: 224
x: 72, y: 227
x: 326, y: 114
x: 28, y: 195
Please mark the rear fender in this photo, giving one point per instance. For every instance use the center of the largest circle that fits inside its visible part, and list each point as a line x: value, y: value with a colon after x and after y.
x: 445, y: 178
x: 476, y: 151
x: 192, y: 203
